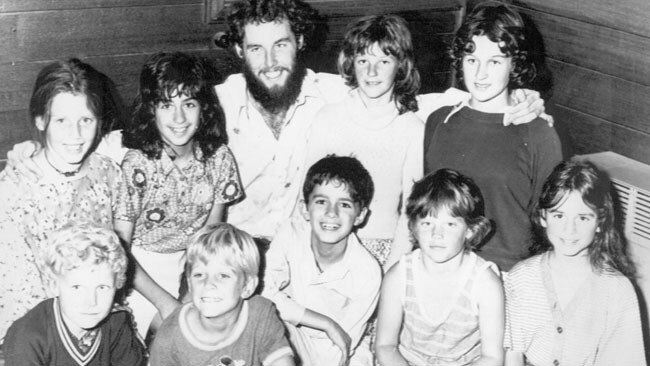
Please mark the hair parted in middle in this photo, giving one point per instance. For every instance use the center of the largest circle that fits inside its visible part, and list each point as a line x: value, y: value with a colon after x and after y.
x: 76, y: 245
x: 224, y: 241
x: 447, y: 189
x: 344, y: 170
x: 301, y: 16
x: 164, y: 76
x: 391, y: 34
x: 608, y: 251
x: 500, y: 24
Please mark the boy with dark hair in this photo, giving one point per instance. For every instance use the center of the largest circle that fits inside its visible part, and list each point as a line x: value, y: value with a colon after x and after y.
x: 323, y: 281
x: 83, y: 266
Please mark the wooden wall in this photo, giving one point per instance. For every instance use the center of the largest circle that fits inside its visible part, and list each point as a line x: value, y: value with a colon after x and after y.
x: 599, y: 54
x: 116, y: 36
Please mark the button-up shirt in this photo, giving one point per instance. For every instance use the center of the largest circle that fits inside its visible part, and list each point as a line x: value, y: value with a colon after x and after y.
x: 271, y: 169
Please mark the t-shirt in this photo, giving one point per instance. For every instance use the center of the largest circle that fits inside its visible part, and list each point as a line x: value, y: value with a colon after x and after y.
x: 41, y: 338
x: 258, y: 338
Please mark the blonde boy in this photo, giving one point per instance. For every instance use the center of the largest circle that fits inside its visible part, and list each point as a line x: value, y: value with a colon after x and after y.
x: 82, y: 266
x: 223, y: 324
x: 323, y: 281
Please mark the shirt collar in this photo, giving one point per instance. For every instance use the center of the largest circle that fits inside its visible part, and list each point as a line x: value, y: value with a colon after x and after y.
x: 458, y: 107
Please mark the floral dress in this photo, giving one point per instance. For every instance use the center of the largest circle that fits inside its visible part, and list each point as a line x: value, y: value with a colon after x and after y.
x: 29, y: 212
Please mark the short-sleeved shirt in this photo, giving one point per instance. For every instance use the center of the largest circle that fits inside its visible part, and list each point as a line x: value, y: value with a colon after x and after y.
x: 42, y: 338
x: 29, y: 212
x: 509, y: 165
x: 599, y: 326
x: 347, y: 291
x: 258, y: 339
x: 168, y: 204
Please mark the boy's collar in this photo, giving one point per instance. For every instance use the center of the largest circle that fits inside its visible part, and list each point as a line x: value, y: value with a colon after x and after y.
x: 88, y: 342
x: 188, y: 334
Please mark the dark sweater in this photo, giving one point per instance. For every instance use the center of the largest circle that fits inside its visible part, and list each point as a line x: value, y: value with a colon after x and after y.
x: 35, y: 340
x: 509, y: 164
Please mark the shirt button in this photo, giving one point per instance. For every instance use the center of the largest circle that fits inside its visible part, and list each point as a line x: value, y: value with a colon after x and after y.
x: 287, y: 185
x: 556, y: 362
x: 560, y: 330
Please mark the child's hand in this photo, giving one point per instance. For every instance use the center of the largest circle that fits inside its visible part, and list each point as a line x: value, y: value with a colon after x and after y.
x: 527, y: 106
x: 341, y: 339
x: 20, y: 162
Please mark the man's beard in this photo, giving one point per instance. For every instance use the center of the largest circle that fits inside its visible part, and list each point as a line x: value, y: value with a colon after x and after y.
x: 278, y: 98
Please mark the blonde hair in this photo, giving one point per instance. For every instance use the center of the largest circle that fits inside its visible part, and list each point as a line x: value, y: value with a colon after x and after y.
x: 236, y: 247
x: 74, y: 245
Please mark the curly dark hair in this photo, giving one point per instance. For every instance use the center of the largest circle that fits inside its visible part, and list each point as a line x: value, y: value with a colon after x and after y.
x: 79, y: 78
x: 300, y: 15
x: 391, y: 34
x: 608, y: 251
x: 163, y: 76
x: 344, y: 170
x: 450, y: 190
x: 501, y: 24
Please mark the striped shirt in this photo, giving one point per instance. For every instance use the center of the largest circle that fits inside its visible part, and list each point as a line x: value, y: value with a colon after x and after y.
x: 599, y: 326
x: 454, y: 339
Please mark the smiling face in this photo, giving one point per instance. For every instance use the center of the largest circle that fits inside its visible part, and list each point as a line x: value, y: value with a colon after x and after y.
x: 332, y: 213
x: 570, y: 226
x: 85, y: 295
x: 270, y: 50
x: 217, y: 288
x: 70, y: 132
x: 486, y: 73
x: 442, y: 237
x: 375, y: 73
x: 177, y: 120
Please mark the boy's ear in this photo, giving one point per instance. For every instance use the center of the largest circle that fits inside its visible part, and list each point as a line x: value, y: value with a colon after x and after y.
x: 304, y: 210
x: 40, y: 123
x: 361, y: 216
x: 249, y: 287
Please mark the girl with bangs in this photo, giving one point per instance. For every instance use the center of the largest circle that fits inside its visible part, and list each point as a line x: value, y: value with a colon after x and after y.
x: 572, y: 303
x: 376, y: 123
x: 177, y: 177
x: 509, y: 163
x: 442, y: 304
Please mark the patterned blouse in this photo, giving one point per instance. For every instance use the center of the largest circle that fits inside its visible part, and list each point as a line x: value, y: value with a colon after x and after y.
x: 168, y: 204
x: 30, y: 211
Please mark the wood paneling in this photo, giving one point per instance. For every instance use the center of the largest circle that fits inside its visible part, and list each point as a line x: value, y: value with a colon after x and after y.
x: 628, y: 15
x: 49, y: 35
x: 10, y: 6
x: 591, y: 134
x: 602, y: 95
x: 598, y: 48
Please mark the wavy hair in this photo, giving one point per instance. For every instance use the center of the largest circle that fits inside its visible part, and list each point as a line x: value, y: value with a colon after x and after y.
x: 391, y: 34
x: 447, y: 189
x: 79, y: 78
x: 163, y: 76
x: 76, y: 245
x: 502, y: 25
x: 301, y: 16
x: 608, y: 251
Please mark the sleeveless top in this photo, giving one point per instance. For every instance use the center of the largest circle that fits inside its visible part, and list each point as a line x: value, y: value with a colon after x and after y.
x: 454, y: 339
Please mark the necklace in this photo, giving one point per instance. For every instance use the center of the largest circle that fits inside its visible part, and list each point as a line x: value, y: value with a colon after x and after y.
x: 65, y: 174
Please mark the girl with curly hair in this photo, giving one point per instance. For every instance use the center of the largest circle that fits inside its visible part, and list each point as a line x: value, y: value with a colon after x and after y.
x: 572, y: 303
x: 509, y: 163
x: 177, y: 177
